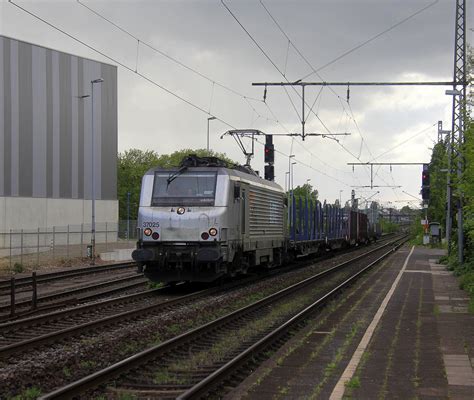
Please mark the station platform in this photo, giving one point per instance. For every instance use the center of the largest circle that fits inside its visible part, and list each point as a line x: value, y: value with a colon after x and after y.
x: 403, y: 333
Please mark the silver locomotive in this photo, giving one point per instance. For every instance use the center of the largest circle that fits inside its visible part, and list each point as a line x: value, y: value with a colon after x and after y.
x: 206, y: 220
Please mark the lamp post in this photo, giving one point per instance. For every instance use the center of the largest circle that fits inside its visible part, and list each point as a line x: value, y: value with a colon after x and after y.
x: 290, y: 199
x: 287, y: 177
x: 292, y: 204
x: 128, y: 215
x: 98, y: 80
x: 340, y: 198
x: 292, y: 178
x: 209, y: 119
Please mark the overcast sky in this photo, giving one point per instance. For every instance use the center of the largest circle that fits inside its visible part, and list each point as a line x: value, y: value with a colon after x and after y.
x: 204, y: 36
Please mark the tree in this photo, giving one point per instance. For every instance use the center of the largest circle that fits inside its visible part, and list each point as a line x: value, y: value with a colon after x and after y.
x: 306, y: 191
x: 134, y: 163
x: 438, y: 177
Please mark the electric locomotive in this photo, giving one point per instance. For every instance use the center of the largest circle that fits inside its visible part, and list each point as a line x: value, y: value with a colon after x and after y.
x: 207, y: 219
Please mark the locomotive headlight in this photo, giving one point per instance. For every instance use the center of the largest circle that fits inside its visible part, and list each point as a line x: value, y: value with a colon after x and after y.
x: 147, y: 232
x: 204, y: 236
x: 180, y: 210
x: 213, y: 231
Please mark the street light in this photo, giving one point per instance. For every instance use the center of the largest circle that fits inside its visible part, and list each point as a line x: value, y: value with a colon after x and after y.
x: 290, y: 199
x: 340, y: 192
x: 287, y: 185
x: 209, y: 119
x: 292, y: 179
x: 98, y: 80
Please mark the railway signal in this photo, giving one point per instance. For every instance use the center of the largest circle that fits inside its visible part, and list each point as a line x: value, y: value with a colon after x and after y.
x: 269, y: 149
x: 269, y: 157
x: 269, y: 172
x: 425, y: 183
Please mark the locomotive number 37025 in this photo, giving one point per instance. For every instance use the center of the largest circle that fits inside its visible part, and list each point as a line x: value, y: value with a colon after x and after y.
x: 151, y: 224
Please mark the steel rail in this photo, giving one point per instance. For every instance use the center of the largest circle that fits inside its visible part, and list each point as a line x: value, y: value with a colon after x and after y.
x: 210, y: 382
x: 88, y: 326
x: 52, y: 276
x: 100, y: 377
x: 73, y: 292
x: 58, y: 314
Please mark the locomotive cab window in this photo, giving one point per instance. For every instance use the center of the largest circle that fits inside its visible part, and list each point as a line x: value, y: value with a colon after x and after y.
x: 187, y: 189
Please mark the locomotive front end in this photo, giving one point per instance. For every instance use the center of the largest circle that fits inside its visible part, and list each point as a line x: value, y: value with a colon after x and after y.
x: 182, y: 227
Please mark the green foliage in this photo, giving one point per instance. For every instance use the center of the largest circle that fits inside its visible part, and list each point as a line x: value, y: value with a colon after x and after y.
x: 388, y: 227
x: 438, y: 178
x: 134, y: 163
x: 18, y: 268
x: 416, y: 232
x: 353, y: 383
x: 28, y: 394
x: 306, y: 191
x: 466, y: 185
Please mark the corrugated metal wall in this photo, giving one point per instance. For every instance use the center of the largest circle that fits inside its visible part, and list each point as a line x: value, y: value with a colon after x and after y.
x: 45, y: 125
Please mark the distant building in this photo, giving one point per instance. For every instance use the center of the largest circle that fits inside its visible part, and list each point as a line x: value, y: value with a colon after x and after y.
x: 45, y: 138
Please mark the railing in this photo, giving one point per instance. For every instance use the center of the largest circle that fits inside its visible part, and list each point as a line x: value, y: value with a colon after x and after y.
x: 32, y: 247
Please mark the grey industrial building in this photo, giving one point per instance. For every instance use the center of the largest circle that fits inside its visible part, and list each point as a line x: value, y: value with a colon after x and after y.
x: 46, y: 137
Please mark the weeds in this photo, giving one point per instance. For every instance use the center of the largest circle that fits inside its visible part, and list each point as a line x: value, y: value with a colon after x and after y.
x: 353, y: 383
x: 88, y: 364
x: 28, y: 394
x: 18, y: 268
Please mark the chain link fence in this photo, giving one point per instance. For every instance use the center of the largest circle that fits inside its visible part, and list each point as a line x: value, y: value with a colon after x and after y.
x: 43, y: 246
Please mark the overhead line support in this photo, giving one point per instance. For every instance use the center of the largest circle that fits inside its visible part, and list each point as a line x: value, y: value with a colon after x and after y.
x: 348, y: 84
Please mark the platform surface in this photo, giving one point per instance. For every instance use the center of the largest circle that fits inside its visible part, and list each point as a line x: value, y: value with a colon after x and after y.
x: 408, y: 335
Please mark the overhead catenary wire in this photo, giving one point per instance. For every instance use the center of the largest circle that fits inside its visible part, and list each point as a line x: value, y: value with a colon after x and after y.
x: 306, y: 61
x: 304, y: 164
x: 404, y: 142
x: 371, y: 39
x: 271, y: 61
x: 315, y: 71
x: 142, y: 42
x: 164, y: 54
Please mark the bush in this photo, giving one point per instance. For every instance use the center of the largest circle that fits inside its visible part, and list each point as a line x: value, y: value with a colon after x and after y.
x: 18, y: 268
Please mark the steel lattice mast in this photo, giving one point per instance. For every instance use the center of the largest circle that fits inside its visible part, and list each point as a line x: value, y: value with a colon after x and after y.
x: 457, y: 132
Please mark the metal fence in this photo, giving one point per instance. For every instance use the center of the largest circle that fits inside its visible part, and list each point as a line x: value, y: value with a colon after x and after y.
x: 48, y: 245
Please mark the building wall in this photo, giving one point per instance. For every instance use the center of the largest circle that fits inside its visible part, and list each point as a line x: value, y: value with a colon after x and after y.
x: 45, y: 125
x: 46, y: 138
x: 29, y: 214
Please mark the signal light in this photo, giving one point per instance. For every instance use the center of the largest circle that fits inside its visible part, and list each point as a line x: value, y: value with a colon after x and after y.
x: 269, y: 150
x: 269, y: 153
x: 425, y: 178
x: 269, y: 172
x: 155, y: 236
x: 425, y: 193
x: 204, y: 236
x: 425, y: 182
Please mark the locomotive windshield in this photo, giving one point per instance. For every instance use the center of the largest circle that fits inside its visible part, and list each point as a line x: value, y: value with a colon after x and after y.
x: 188, y: 188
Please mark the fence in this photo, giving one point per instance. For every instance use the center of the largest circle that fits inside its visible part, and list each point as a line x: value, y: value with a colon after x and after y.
x: 46, y: 245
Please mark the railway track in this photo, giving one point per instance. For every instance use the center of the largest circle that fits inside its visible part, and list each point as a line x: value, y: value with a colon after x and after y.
x: 29, y: 333
x: 26, y: 281
x: 70, y: 296
x: 193, y: 364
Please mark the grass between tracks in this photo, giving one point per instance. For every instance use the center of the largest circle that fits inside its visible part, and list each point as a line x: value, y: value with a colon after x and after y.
x: 229, y: 344
x: 321, y: 322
